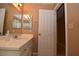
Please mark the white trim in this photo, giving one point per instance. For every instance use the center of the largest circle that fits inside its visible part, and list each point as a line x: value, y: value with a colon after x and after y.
x: 66, y: 31
x: 55, y: 34
x: 57, y: 6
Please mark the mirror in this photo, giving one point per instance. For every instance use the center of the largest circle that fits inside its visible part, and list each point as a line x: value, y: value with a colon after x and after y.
x: 2, y: 15
x: 9, y: 15
x: 27, y: 21
x: 16, y: 23
x: 17, y: 17
x: 23, y: 20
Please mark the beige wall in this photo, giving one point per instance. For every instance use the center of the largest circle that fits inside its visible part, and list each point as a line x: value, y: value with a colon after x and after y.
x: 10, y: 11
x: 32, y: 9
x: 73, y: 29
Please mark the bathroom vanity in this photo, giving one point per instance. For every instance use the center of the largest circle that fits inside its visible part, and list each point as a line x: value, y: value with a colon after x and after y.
x: 20, y: 46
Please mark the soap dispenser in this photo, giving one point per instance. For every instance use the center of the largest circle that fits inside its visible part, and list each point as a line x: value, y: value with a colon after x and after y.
x: 8, y: 35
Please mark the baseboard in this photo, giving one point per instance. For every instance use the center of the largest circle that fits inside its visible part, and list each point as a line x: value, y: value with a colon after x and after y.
x: 35, y: 54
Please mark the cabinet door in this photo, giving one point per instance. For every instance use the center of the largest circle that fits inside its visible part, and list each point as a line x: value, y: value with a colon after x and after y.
x: 27, y: 51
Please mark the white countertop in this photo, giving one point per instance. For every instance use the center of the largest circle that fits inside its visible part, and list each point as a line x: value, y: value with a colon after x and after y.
x: 15, y: 44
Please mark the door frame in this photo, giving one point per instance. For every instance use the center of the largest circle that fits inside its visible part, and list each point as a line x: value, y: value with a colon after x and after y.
x: 66, y: 27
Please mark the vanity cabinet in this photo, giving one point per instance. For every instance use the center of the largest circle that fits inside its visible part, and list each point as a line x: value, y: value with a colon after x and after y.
x: 25, y: 50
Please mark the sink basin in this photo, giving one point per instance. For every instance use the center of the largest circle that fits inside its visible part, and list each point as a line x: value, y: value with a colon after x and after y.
x: 3, y: 37
x: 24, y: 36
x: 11, y: 37
x: 11, y: 43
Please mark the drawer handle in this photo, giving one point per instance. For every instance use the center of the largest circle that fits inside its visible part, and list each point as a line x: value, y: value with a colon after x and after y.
x: 25, y: 49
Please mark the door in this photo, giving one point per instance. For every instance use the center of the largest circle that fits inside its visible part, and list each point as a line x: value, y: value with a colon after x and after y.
x: 47, y: 33
x: 61, y: 31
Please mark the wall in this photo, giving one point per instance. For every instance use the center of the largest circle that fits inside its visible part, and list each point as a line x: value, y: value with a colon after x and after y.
x: 73, y: 29
x: 32, y: 9
x: 10, y: 11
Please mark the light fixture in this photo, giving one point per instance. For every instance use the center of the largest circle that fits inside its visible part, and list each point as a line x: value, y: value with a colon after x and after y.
x: 20, y: 5
x: 17, y: 5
